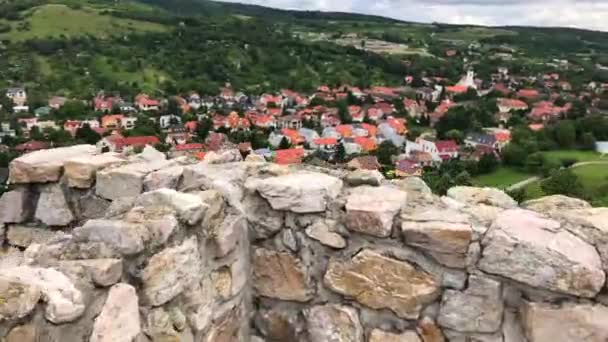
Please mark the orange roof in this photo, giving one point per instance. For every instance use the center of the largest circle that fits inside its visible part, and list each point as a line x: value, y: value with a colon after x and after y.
x: 528, y: 93
x: 346, y: 131
x: 398, y: 125
x: 371, y: 129
x: 458, y: 89
x: 289, y: 156
x: 367, y: 144
x: 325, y: 141
x: 292, y: 134
x: 503, y: 136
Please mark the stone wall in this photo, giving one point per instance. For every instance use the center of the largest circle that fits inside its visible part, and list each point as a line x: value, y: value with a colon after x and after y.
x: 114, y: 248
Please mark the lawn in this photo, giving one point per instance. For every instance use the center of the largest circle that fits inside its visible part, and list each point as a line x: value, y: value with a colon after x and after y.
x: 581, y: 156
x: 54, y: 20
x: 593, y: 177
x: 502, y: 178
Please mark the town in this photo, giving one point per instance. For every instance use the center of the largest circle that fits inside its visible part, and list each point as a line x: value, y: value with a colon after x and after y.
x: 418, y: 129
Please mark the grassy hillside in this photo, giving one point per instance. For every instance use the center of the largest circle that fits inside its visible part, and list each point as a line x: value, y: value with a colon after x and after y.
x: 56, y: 20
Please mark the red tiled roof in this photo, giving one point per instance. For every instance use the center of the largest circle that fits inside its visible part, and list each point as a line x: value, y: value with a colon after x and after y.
x: 513, y: 103
x: 189, y: 147
x: 446, y: 146
x: 345, y: 130
x: 457, y: 89
x: 371, y: 129
x: 528, y: 93
x: 367, y: 144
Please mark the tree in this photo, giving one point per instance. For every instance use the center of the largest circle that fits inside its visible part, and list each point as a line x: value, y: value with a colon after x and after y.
x: 72, y: 110
x: 565, y: 134
x: 386, y: 151
x: 519, y: 194
x: 588, y: 141
x: 563, y: 182
x: 173, y: 107
x: 87, y: 135
x: 343, y: 112
x: 284, y: 144
x: 203, y: 128
x: 340, y: 153
x: 36, y: 134
x: 60, y: 137
x: 487, y: 163
x: 514, y: 155
x: 535, y: 162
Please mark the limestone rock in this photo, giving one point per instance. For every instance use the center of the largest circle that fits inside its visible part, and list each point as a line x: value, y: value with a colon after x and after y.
x: 223, y: 157
x: 568, y: 323
x: 263, y: 221
x: 80, y: 171
x: 170, y: 271
x: 536, y: 251
x: 160, y: 327
x: 380, y: 282
x: 280, y: 275
x: 333, y: 323
x: 91, y: 206
x: 160, y: 222
x: 489, y: 196
x: 127, y: 180
x: 301, y: 192
x: 429, y: 331
x: 53, y: 209
x: 16, y: 206
x: 444, y: 234
x: 555, y: 203
x: 276, y: 325
x: 227, y: 328
x: 119, y: 318
x: 228, y: 234
x: 45, y: 165
x: 18, y: 298
x: 64, y: 301
x: 189, y: 207
x: 255, y: 158
x: 478, y: 309
x: 590, y: 225
x: 103, y: 272
x: 512, y: 330
x: 149, y: 153
x: 414, y: 185
x: 371, y: 210
x: 378, y: 335
x: 164, y: 178
x: 23, y: 333
x: 126, y: 238
x: 364, y: 177
x: 320, y: 231
x: 23, y: 236
x: 120, y: 206
x: 225, y: 178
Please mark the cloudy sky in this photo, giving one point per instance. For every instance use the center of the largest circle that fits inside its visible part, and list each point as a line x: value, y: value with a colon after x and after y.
x: 590, y: 14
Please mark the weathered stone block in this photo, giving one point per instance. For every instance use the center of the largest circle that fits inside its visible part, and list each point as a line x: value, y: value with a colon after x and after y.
x: 372, y: 210
x: 280, y: 275
x: 45, y: 165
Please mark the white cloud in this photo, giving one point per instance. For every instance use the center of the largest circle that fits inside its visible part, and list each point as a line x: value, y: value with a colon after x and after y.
x: 590, y: 14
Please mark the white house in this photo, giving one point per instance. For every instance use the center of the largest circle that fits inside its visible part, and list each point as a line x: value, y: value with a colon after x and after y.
x: 18, y: 95
x: 602, y: 147
x: 128, y: 122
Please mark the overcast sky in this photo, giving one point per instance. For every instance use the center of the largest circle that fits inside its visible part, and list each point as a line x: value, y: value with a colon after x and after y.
x: 590, y: 14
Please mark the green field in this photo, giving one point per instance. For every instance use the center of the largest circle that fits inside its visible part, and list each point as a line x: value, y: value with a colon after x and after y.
x: 55, y: 20
x: 581, y: 156
x: 502, y: 178
x: 468, y: 34
x: 594, y: 179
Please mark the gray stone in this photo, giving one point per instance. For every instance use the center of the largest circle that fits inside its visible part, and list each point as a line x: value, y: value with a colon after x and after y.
x: 170, y: 271
x: 223, y: 157
x: 119, y: 318
x: 127, y: 180
x: 333, y: 323
x: 512, y: 330
x: 536, y: 251
x: 290, y: 240
x: 103, y: 272
x: 165, y: 178
x: 16, y: 206
x: 126, y: 238
x: 371, y: 210
x: 555, y: 203
x: 45, y: 165
x: 264, y: 222
x: 23, y: 236
x: 478, y: 309
x: 319, y: 231
x: 378, y: 335
x: 301, y: 192
x: 53, y: 209
x: 161, y: 223
x: 227, y: 179
x: 364, y: 177
x: 228, y: 234
x: 92, y: 207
